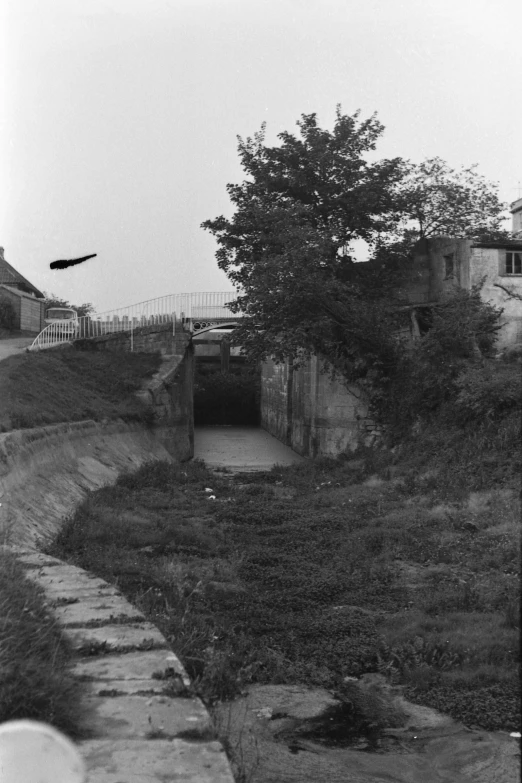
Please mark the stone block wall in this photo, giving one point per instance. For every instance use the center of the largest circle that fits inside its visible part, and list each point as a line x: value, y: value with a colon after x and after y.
x: 310, y: 412
x: 160, y: 338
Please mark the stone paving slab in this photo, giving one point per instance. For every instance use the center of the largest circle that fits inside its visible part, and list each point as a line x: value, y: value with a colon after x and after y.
x: 145, y: 716
x: 101, y: 608
x: 66, y: 577
x: 39, y: 560
x: 112, y: 688
x: 117, y: 638
x: 155, y: 761
x: 55, y: 594
x: 131, y: 666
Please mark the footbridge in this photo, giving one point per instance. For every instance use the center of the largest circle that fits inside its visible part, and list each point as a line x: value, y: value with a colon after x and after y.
x: 196, y: 312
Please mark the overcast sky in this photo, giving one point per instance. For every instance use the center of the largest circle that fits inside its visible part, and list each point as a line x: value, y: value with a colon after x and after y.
x: 119, y: 117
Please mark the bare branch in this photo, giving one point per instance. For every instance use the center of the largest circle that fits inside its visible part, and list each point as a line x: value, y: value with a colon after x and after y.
x: 512, y: 294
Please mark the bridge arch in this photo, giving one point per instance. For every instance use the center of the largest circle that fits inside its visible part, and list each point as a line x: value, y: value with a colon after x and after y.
x: 200, y: 327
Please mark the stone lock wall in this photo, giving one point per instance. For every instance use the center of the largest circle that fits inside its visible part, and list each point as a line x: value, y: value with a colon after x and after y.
x: 312, y: 413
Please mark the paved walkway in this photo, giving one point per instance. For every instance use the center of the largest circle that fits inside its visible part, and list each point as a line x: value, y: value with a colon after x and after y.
x: 241, y: 448
x: 14, y: 345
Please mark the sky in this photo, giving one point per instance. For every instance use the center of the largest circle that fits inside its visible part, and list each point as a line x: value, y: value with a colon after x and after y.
x: 119, y: 118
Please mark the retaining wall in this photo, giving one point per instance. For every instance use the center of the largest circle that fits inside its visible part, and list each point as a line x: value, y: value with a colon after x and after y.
x: 47, y: 471
x: 312, y: 413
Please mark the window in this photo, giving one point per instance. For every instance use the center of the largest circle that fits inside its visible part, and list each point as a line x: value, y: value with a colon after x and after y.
x: 513, y: 263
x: 449, y: 267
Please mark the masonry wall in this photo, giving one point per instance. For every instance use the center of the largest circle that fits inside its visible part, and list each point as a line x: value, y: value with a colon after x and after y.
x: 145, y: 339
x: 310, y: 412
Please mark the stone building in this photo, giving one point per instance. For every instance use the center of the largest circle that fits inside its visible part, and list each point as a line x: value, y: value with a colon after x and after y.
x: 441, y: 264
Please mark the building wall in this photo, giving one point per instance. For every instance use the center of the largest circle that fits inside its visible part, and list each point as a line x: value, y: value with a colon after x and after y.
x: 31, y: 315
x: 516, y: 213
x: 471, y: 265
x: 29, y: 310
x: 487, y: 262
x: 309, y: 411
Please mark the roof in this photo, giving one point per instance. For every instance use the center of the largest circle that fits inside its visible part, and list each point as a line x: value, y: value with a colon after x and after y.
x: 10, y: 277
x: 506, y: 244
x: 17, y: 292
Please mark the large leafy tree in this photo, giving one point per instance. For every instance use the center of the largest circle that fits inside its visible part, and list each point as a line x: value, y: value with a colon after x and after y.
x: 288, y: 245
x: 434, y: 199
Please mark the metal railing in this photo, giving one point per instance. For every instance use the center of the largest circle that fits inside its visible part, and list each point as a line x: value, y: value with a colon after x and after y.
x: 207, y: 306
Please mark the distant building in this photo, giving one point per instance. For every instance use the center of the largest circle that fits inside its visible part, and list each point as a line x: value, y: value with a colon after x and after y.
x: 441, y: 264
x: 516, y: 212
x: 27, y: 301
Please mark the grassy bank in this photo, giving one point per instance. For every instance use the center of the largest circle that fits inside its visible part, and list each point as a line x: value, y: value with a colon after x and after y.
x: 34, y: 656
x: 56, y: 386
x: 329, y: 569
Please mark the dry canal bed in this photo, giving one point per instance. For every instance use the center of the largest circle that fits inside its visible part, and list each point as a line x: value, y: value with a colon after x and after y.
x: 319, y: 577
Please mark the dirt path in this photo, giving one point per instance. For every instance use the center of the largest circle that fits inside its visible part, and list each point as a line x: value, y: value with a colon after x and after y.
x: 14, y: 345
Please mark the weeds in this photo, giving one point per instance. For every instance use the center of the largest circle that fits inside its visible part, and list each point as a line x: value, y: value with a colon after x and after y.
x: 35, y: 681
x: 47, y: 388
x: 270, y: 587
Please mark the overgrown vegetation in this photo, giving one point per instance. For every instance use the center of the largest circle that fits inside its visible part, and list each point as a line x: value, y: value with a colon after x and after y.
x: 35, y: 680
x: 56, y: 386
x: 288, y: 247
x: 7, y: 315
x: 332, y: 568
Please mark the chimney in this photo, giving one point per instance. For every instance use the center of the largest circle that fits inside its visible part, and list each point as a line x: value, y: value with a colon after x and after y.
x: 516, y: 212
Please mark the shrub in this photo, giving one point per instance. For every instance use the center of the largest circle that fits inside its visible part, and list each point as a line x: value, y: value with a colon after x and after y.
x: 460, y: 331
x: 7, y: 315
x: 484, y: 393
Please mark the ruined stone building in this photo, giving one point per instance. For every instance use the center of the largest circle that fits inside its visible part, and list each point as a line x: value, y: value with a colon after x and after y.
x: 441, y: 264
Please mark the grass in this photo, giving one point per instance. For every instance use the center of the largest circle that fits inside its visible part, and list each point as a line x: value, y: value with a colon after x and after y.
x: 35, y: 679
x: 315, y: 572
x: 56, y: 386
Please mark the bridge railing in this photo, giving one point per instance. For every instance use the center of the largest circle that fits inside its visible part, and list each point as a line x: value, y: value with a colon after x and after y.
x: 206, y: 305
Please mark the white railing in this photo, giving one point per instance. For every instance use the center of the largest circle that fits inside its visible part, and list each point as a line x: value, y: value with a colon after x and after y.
x: 165, y: 309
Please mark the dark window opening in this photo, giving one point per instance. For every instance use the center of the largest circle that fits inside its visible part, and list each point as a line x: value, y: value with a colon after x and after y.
x: 513, y: 263
x: 449, y: 266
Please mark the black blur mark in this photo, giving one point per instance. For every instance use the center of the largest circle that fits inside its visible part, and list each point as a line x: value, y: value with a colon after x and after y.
x: 70, y: 262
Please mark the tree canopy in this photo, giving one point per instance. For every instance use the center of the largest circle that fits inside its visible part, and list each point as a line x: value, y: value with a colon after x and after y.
x: 434, y: 199
x: 288, y: 246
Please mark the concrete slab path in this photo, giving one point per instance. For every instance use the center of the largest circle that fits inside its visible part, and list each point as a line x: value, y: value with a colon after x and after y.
x: 241, y: 448
x: 143, y: 720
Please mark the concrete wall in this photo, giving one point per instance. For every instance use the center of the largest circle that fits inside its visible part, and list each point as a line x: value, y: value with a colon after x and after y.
x: 310, y: 412
x: 472, y: 263
x: 170, y: 393
x: 145, y: 339
x: 488, y: 262
x: 47, y: 471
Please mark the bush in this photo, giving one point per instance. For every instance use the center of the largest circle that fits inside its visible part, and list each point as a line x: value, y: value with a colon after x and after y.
x: 485, y: 393
x: 7, y: 315
x: 461, y: 331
